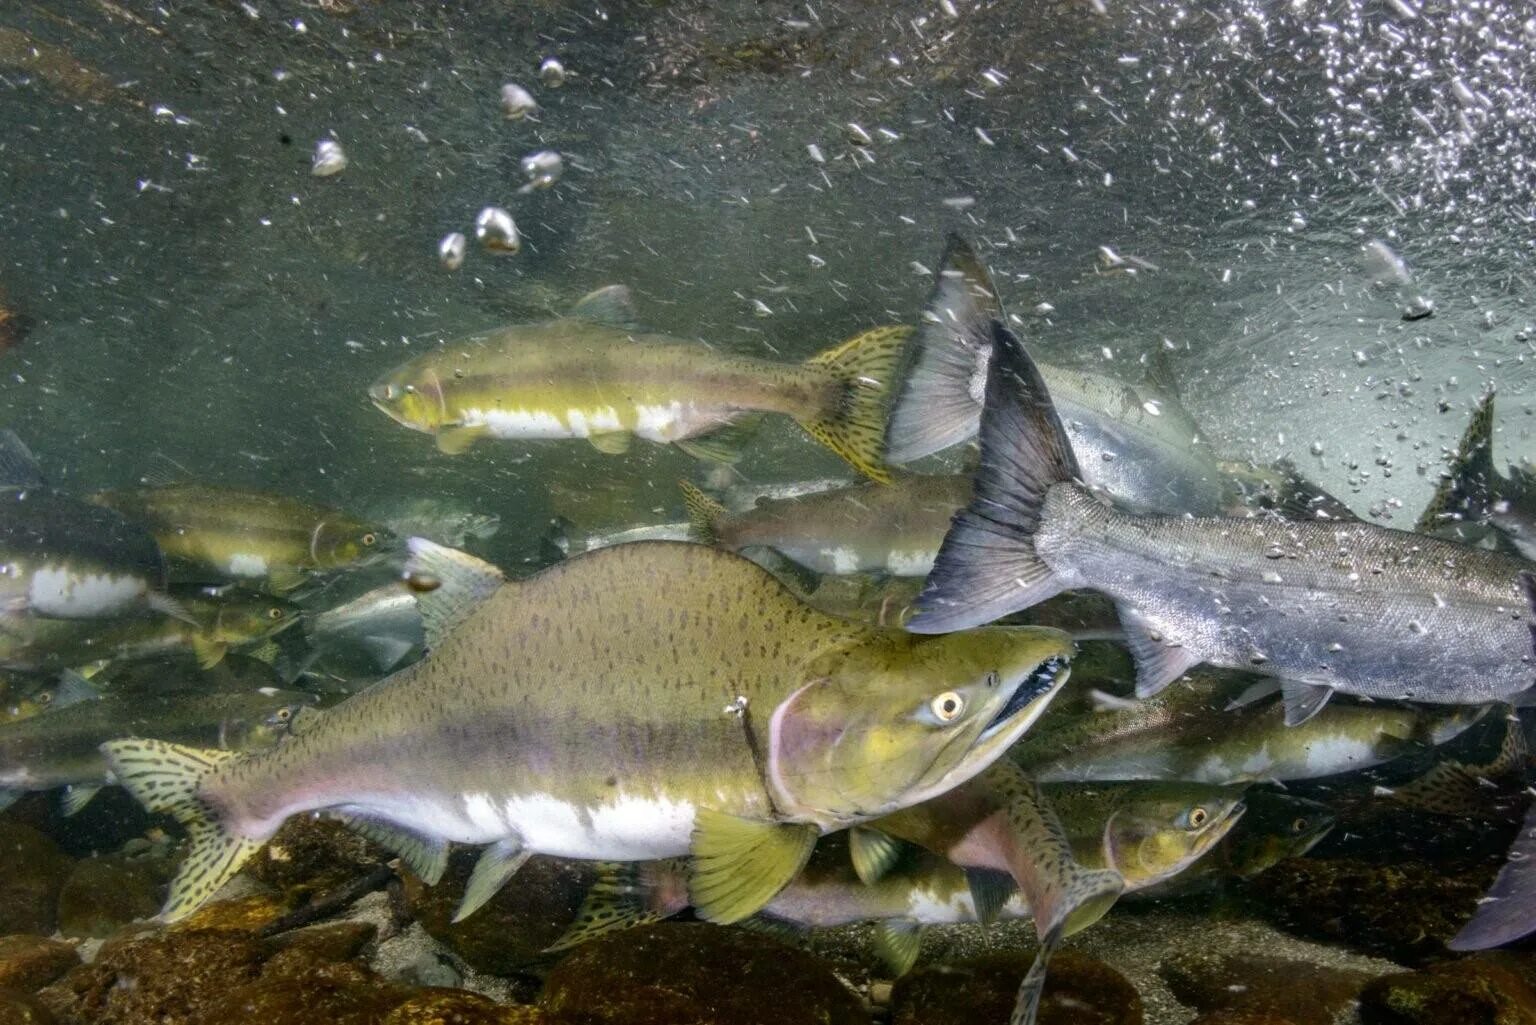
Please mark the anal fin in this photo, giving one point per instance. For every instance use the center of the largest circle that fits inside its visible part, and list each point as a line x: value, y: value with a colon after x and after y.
x: 613, y: 443
x: 426, y: 856
x: 897, y: 943
x: 725, y: 445
x: 990, y: 890
x: 741, y: 864
x: 76, y: 797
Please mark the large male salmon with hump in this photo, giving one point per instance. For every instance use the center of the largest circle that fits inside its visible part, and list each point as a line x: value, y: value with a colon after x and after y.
x: 644, y: 701
x: 1322, y: 606
x: 593, y: 374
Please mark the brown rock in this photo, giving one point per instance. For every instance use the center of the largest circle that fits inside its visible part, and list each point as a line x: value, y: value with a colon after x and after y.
x: 1240, y: 1018
x: 1490, y: 988
x: 1405, y: 912
x: 28, y: 963
x: 511, y: 931
x: 1299, y: 991
x: 244, y: 914
x: 689, y: 973
x: 20, y: 1009
x: 458, y: 1007
x: 103, y: 894
x: 332, y: 941
x: 35, y: 870
x: 292, y: 992
x: 1078, y: 991
x: 172, y: 978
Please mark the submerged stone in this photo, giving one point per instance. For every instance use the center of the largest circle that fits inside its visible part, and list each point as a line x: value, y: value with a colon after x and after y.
x: 20, y: 1009
x: 458, y: 1007
x: 28, y: 963
x: 309, y: 856
x: 1296, y: 991
x: 690, y: 973
x: 103, y: 894
x: 1079, y: 990
x: 1491, y: 988
x: 35, y: 870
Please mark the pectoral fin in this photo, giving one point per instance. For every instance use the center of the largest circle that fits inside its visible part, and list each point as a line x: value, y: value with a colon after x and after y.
x: 741, y: 864
x: 897, y: 942
x: 1303, y: 700
x: 454, y: 441
x: 873, y: 853
x: 497, y: 864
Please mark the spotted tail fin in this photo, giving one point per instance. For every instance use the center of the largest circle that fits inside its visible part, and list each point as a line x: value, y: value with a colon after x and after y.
x: 866, y: 368
x: 1465, y: 492
x: 704, y: 513
x: 167, y: 778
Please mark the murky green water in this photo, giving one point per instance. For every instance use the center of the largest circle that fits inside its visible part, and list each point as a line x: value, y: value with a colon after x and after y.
x: 1262, y: 196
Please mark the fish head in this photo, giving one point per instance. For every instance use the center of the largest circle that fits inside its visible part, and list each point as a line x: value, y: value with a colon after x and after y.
x: 412, y: 395
x: 1165, y: 827
x: 1278, y: 826
x: 897, y: 718
x: 340, y: 541
x: 245, y: 619
x: 265, y: 717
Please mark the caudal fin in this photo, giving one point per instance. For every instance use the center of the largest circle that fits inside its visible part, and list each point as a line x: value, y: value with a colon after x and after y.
x: 167, y: 778
x: 866, y: 368
x: 625, y: 895
x: 1466, y: 489
x: 704, y: 513
x: 987, y: 566
x: 1508, y: 912
x: 939, y: 403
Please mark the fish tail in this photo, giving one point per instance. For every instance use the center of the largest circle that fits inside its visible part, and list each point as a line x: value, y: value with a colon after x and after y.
x: 987, y: 566
x: 1465, y: 491
x: 168, y: 778
x: 865, y: 368
x: 938, y: 405
x: 704, y: 513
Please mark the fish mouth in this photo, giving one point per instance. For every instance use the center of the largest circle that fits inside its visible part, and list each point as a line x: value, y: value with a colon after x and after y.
x: 1045, y: 678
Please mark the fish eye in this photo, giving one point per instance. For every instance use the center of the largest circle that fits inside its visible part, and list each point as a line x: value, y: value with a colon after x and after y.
x: 274, y: 613
x: 369, y: 539
x: 284, y: 714
x: 410, y: 389
x: 1198, y: 817
x: 947, y: 706
x: 45, y: 698
x: 1299, y: 826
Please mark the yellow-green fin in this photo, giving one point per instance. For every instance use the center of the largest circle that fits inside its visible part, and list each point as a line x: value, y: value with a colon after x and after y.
x: 449, y: 585
x: 426, y: 856
x: 740, y: 865
x: 874, y: 853
x: 267, y: 651
x: 725, y: 444
x: 209, y: 652
x: 866, y: 367
x: 166, y: 778
x: 618, y: 899
x: 613, y: 443
x: 703, y: 513
x: 897, y: 942
x: 454, y: 441
x: 1465, y: 491
x: 498, y: 863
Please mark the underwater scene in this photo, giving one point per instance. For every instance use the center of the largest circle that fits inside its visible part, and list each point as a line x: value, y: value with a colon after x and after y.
x: 671, y: 512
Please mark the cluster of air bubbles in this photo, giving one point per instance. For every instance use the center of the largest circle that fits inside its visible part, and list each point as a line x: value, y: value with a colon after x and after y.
x: 1433, y: 105
x: 495, y: 231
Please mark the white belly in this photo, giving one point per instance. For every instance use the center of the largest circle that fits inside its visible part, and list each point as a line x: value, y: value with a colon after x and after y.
x: 58, y: 592
x: 533, y: 424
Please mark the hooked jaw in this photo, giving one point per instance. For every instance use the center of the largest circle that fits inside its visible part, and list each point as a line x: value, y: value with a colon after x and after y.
x: 1047, y: 676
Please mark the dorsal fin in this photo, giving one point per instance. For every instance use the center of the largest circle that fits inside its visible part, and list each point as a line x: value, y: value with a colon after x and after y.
x: 449, y: 586
x: 612, y: 305
x: 1161, y: 375
x: 1466, y: 490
